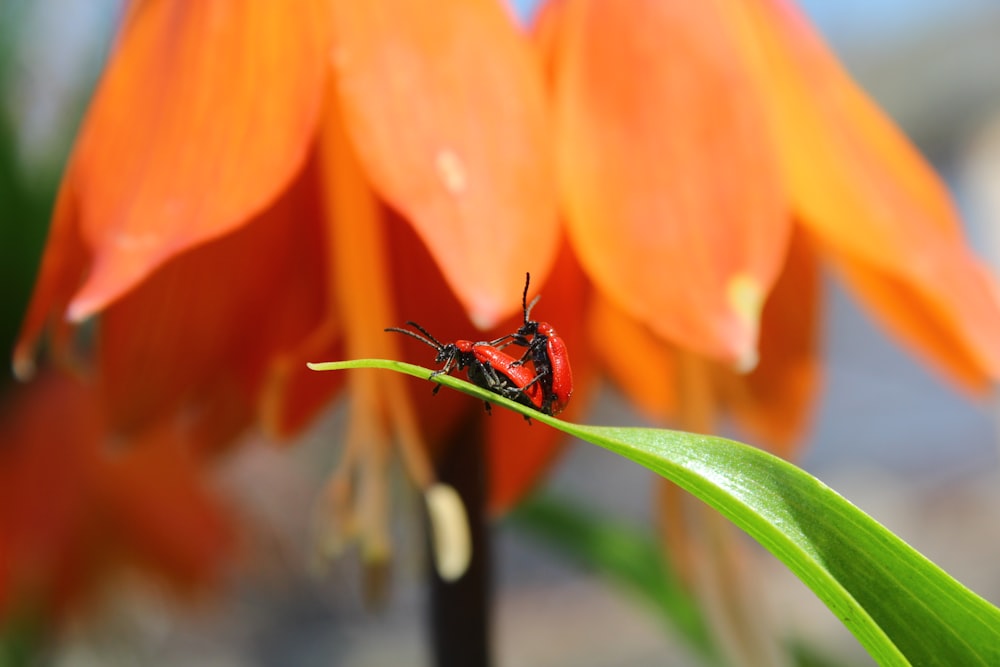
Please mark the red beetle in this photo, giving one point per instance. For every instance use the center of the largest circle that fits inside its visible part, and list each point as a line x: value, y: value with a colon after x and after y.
x: 547, y: 351
x: 488, y: 367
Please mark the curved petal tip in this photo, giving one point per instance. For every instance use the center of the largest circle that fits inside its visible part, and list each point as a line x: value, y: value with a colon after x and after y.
x: 486, y: 314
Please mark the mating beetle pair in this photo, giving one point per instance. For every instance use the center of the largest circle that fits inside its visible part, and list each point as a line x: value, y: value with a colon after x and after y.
x: 546, y: 385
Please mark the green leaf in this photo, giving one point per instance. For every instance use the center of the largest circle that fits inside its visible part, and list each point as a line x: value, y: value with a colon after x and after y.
x: 900, y: 606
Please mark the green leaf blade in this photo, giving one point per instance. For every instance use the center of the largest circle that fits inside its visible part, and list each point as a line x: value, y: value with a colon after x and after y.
x: 901, y: 607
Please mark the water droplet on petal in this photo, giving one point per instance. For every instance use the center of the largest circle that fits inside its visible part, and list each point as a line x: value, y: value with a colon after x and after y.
x: 452, y: 171
x: 134, y: 242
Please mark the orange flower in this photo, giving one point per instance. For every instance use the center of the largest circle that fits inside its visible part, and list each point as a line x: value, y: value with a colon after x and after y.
x: 254, y: 188
x: 243, y: 197
x: 73, y: 513
x: 710, y: 156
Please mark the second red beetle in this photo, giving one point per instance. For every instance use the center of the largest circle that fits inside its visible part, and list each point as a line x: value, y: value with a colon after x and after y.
x: 549, y: 355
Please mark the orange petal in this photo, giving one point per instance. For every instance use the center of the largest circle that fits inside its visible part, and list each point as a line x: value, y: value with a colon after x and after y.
x: 163, y: 513
x: 144, y: 504
x: 642, y: 365
x: 518, y: 454
x: 47, y: 472
x: 545, y: 33
x: 293, y: 395
x: 673, y: 198
x: 447, y: 113
x: 198, y: 336
x: 865, y: 193
x: 925, y: 325
x: 63, y: 263
x: 775, y: 401
x: 203, y: 115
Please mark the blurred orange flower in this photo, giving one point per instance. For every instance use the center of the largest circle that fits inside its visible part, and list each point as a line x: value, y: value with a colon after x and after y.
x: 74, y: 512
x: 710, y: 156
x: 254, y: 188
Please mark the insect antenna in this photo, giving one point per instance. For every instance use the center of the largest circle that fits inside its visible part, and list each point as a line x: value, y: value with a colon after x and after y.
x: 427, y: 338
x: 525, y: 306
x: 424, y: 332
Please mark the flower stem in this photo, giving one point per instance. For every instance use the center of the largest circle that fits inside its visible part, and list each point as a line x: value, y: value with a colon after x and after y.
x: 460, y: 611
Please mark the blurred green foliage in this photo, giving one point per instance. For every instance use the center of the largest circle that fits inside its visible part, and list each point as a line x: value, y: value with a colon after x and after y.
x: 27, y: 195
x: 25, y: 212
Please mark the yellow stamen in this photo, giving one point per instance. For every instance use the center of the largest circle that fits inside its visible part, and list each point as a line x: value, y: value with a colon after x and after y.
x: 381, y: 411
x: 449, y: 530
x: 746, y: 298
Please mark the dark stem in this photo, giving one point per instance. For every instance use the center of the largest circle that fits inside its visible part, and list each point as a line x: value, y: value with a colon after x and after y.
x: 460, y: 610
